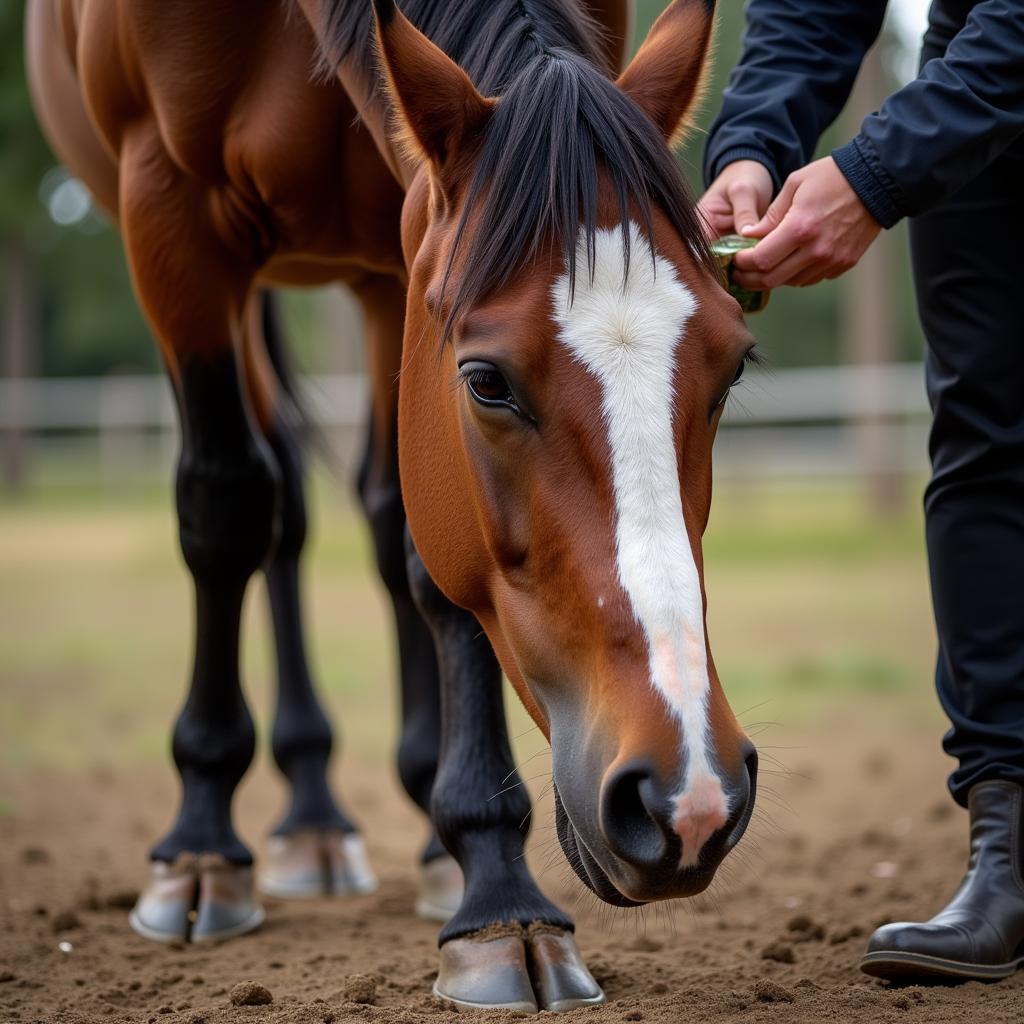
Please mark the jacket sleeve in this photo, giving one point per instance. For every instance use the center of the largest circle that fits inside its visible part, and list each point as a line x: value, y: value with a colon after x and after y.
x: 799, y: 62
x: 945, y: 127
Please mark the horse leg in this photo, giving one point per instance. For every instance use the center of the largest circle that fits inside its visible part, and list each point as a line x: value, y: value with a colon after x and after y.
x: 383, y: 303
x: 315, y: 849
x: 193, y: 288
x: 507, y: 946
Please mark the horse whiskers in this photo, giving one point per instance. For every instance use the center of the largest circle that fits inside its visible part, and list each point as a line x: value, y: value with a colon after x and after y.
x: 533, y: 806
x: 754, y: 707
x: 521, y: 782
x: 756, y: 728
x: 525, y: 761
x: 775, y: 798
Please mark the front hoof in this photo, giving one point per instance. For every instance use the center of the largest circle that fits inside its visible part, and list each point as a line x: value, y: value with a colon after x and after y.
x: 314, y: 862
x: 440, y: 889
x: 486, y: 975
x: 163, y: 910
x: 532, y: 969
x: 227, y: 906
x: 560, y: 977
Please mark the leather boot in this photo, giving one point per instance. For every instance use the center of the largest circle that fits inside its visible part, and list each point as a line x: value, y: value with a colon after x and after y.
x: 980, y: 934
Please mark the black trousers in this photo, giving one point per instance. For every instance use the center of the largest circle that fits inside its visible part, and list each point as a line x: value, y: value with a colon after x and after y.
x: 968, y: 259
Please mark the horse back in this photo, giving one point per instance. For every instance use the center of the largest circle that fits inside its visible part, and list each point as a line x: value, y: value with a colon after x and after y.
x: 229, y: 92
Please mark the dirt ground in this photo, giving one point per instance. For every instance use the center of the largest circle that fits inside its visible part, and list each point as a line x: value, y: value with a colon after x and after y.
x: 857, y: 832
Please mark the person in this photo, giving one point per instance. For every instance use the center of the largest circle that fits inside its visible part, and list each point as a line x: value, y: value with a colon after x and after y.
x: 947, y: 151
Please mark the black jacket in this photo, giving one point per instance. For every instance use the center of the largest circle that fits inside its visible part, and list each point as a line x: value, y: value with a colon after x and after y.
x: 799, y: 62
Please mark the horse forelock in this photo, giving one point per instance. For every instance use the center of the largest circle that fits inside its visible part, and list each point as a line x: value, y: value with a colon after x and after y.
x: 562, y: 139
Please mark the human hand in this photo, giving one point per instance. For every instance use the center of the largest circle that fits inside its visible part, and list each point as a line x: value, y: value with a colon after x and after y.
x: 816, y: 228
x: 736, y: 199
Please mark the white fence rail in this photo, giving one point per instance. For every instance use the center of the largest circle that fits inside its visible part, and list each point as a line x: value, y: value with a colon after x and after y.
x: 837, y: 421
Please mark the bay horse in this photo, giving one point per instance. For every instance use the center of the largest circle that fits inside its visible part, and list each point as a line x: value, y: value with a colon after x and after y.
x: 550, y: 350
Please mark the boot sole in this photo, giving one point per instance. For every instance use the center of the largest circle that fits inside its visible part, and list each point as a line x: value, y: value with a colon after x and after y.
x: 897, y: 966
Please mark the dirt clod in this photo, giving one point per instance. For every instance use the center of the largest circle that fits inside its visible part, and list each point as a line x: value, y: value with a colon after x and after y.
x: 121, y: 899
x: 360, y: 988
x: 65, y: 921
x: 841, y: 935
x: 781, y: 952
x: 803, y: 928
x: 768, y: 991
x: 250, y: 993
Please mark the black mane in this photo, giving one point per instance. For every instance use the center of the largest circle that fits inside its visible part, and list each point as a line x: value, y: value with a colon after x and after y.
x: 560, y: 121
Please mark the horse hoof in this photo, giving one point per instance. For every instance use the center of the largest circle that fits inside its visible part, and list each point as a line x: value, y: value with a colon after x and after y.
x: 560, y: 977
x: 489, y: 975
x: 226, y: 906
x: 163, y: 910
x: 294, y: 867
x: 538, y: 969
x: 198, y: 899
x: 440, y: 889
x: 348, y: 866
x: 312, y: 863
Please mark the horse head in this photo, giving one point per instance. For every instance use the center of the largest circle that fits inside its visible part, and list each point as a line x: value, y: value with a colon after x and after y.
x: 568, y: 352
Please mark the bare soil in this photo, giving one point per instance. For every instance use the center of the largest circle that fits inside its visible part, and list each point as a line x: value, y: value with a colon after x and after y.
x: 858, y: 833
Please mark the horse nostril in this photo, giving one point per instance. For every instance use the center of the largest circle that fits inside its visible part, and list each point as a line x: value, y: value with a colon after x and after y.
x: 634, y: 817
x: 746, y: 809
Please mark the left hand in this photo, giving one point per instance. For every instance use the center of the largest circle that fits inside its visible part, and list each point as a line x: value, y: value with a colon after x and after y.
x: 816, y: 228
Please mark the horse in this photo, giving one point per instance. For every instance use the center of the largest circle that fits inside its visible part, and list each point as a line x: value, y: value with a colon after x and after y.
x: 550, y: 350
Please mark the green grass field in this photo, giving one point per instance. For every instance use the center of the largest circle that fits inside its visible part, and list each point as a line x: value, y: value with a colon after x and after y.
x: 816, y: 611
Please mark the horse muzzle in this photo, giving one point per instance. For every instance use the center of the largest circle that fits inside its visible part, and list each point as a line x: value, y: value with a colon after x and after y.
x: 643, y: 844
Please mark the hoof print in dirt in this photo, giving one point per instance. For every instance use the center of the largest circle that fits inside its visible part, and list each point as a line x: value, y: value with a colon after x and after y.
x: 250, y: 993
x: 516, y: 969
x: 196, y: 899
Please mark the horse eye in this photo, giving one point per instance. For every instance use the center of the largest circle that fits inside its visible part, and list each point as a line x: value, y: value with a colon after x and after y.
x: 488, y: 386
x: 737, y: 377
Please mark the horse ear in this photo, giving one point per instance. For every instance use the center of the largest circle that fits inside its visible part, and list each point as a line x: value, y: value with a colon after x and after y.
x: 437, y: 107
x: 666, y: 77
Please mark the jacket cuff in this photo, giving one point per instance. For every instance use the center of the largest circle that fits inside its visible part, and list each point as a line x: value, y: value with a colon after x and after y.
x: 718, y: 163
x: 875, y: 189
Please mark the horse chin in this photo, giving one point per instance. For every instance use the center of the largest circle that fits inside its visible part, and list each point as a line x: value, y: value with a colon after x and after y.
x: 582, y: 861
x: 688, y: 883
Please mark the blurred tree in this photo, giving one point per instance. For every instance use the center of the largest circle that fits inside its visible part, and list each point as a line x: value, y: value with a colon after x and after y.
x: 22, y: 161
x: 67, y: 302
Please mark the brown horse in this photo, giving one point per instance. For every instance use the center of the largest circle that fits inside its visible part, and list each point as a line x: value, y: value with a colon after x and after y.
x: 534, y: 277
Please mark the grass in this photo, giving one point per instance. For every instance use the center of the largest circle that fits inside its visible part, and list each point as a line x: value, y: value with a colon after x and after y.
x: 814, y: 606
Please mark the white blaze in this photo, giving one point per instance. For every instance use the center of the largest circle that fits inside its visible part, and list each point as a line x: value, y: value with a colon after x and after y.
x: 625, y: 331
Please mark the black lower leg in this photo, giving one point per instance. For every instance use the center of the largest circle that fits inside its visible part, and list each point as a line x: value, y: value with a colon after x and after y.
x: 301, y: 739
x: 420, y: 740
x: 226, y: 495
x: 481, y: 809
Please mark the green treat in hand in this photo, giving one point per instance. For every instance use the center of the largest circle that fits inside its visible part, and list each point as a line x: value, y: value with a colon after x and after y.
x: 725, y: 249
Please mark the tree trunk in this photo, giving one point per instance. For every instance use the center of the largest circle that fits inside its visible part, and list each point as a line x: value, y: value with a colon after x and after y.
x: 869, y: 322
x: 18, y: 349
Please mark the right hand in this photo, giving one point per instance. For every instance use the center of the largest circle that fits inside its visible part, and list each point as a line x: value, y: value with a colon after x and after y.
x: 737, y: 199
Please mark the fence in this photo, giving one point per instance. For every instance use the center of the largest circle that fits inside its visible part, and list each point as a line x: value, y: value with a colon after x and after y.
x: 849, y: 421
